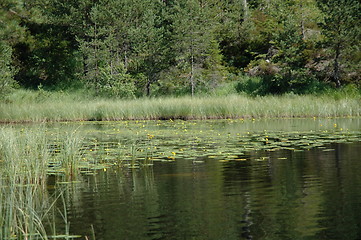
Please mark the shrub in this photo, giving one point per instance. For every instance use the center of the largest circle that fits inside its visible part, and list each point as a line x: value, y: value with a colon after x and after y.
x: 115, y: 82
x: 248, y: 84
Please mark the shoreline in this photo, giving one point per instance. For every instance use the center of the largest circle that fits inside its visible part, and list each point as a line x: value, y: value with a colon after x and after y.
x: 170, y: 119
x: 67, y: 109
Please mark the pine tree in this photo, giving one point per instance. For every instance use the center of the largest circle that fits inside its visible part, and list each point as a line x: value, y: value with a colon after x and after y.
x: 342, y: 32
x: 285, y: 37
x: 194, y: 41
x: 125, y: 35
x: 149, y: 43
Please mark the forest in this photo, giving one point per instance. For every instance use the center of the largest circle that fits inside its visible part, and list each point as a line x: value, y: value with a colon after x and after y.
x: 135, y: 48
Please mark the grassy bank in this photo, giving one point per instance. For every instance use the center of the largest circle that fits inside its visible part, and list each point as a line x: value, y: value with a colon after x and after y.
x: 36, y: 107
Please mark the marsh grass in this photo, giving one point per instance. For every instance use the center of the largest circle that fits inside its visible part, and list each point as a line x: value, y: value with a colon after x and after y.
x: 24, y: 201
x: 75, y: 107
x: 24, y: 163
x: 24, y: 155
x: 27, y: 158
x: 22, y: 211
x: 140, y: 154
x: 71, y: 154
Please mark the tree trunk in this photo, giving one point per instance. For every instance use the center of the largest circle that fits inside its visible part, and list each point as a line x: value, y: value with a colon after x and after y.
x: 246, y: 9
x: 192, y: 75
x: 96, y: 52
x: 336, y: 66
x: 303, y: 28
x: 147, y: 87
x: 125, y: 60
x: 152, y: 78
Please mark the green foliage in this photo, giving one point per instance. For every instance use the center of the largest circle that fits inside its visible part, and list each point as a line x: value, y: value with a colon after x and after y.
x: 346, y: 92
x: 283, y: 68
x: 290, y: 80
x: 172, y: 83
x: 247, y: 84
x: 178, y: 47
x: 225, y: 89
x: 124, y: 33
x: 7, y: 81
x: 50, y: 60
x: 193, y: 43
x: 342, y: 33
x: 11, y: 13
x: 10, y: 33
x: 115, y: 82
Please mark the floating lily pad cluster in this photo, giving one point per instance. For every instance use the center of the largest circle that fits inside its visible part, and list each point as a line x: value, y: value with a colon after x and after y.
x: 138, y: 143
x: 90, y: 146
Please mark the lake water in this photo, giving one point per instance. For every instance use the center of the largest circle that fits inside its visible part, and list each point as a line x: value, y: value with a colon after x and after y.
x: 224, y: 179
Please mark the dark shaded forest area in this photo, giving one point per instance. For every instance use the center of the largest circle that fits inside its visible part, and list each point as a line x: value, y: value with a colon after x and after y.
x: 133, y: 48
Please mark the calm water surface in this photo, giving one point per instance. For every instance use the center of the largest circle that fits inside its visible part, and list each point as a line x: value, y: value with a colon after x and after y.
x: 284, y: 194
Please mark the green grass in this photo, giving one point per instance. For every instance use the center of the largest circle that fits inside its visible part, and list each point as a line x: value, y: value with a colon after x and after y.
x: 24, y: 200
x: 27, y: 157
x: 28, y: 106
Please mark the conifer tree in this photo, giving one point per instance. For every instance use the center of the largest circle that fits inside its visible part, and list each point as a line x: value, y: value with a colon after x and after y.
x: 10, y: 34
x: 342, y: 31
x: 149, y: 43
x: 193, y: 40
x: 123, y: 35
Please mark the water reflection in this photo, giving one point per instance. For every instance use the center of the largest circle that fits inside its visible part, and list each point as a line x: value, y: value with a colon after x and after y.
x: 312, y: 194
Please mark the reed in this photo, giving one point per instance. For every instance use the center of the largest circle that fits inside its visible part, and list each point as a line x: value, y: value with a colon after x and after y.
x: 21, y: 212
x: 23, y: 194
x: 70, y: 155
x: 25, y: 204
x: 24, y: 155
x: 71, y: 108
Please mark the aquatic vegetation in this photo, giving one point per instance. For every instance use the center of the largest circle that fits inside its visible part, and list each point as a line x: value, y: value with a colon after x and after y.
x: 68, y: 152
x: 26, y: 157
x: 27, y: 211
x: 75, y: 150
x: 141, y: 143
x: 68, y: 155
x: 21, y: 212
x: 186, y: 108
x: 23, y: 175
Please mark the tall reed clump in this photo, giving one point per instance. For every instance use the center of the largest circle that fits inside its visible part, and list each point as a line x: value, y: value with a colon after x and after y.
x: 22, y: 210
x: 23, y: 196
x: 70, y: 155
x: 25, y: 205
x: 24, y: 155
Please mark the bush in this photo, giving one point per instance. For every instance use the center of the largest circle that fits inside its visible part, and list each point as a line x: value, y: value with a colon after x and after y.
x: 347, y: 91
x: 289, y: 80
x: 115, y: 82
x: 225, y: 89
x: 247, y: 84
